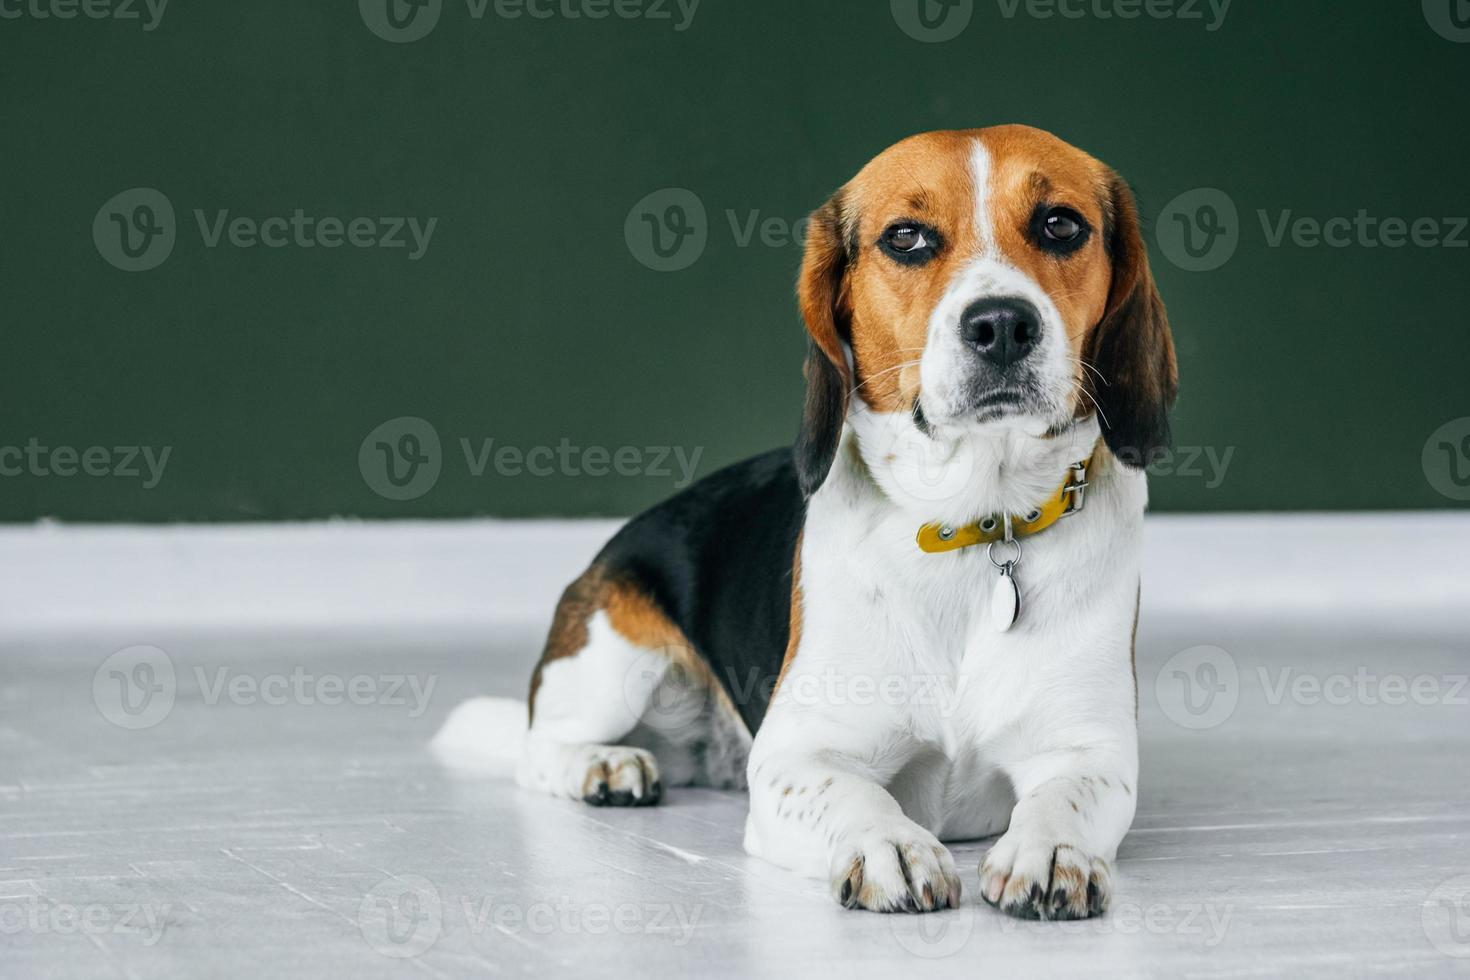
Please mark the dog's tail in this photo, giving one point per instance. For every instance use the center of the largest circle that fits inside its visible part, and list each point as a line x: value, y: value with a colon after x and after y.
x: 482, y: 732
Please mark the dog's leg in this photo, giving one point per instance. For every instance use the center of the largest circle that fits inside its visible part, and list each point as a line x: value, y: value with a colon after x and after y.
x: 828, y: 814
x: 617, y: 679
x: 584, y: 704
x: 1055, y: 861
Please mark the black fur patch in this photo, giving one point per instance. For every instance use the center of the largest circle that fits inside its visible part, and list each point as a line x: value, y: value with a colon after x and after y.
x: 717, y: 559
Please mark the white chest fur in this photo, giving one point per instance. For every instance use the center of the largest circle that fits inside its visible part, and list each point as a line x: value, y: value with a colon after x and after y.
x: 900, y: 662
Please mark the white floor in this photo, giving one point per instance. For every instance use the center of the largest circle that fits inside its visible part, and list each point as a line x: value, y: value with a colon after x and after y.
x: 1313, y: 819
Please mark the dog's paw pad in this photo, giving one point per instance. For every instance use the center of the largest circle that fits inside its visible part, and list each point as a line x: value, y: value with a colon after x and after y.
x: 904, y: 871
x: 1034, y: 880
x: 620, y: 776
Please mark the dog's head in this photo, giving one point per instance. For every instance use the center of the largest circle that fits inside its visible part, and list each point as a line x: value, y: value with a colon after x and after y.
x: 982, y: 280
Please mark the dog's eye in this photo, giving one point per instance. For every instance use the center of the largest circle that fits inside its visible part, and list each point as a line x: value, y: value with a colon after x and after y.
x: 1060, y: 230
x: 1061, y: 226
x: 907, y: 239
x: 910, y: 243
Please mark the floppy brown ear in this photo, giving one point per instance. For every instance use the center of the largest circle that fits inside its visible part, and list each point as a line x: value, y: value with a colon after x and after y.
x: 822, y: 292
x: 1131, y: 346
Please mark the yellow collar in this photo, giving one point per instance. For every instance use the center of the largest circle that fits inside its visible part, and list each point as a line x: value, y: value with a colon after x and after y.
x: 937, y: 538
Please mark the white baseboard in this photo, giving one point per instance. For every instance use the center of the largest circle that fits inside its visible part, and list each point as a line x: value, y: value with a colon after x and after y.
x: 473, y: 575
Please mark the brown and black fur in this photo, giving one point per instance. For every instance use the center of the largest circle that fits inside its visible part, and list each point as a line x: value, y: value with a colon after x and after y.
x: 715, y: 562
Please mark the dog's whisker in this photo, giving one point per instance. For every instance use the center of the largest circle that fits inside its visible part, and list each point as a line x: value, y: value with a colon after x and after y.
x: 1089, y: 396
x: 884, y: 373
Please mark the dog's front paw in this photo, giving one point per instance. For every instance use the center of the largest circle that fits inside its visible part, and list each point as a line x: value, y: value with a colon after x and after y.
x: 1035, y: 878
x: 901, y: 869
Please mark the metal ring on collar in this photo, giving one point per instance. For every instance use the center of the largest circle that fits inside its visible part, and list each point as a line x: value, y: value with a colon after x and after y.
x: 990, y: 553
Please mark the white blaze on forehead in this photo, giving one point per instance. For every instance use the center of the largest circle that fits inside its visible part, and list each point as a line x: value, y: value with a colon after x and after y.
x: 984, y: 221
x: 949, y: 366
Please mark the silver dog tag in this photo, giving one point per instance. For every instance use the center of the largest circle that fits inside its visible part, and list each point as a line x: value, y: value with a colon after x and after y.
x: 1005, y: 600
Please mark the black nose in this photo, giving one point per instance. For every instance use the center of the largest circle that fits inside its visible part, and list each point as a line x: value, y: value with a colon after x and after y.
x: 1003, y: 331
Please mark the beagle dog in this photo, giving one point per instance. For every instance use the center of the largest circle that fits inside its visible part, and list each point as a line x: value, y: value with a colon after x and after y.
x: 917, y: 624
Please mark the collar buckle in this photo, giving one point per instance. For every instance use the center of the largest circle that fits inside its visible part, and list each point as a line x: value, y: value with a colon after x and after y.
x: 1075, y: 490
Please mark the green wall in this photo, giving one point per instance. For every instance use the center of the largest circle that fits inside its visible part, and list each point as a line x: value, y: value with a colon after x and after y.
x: 1322, y: 374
